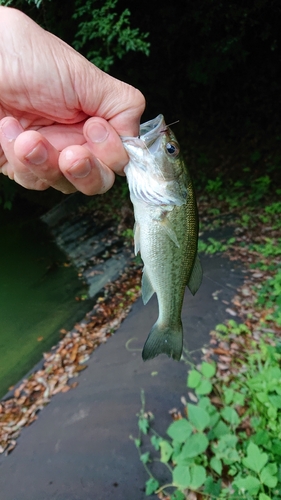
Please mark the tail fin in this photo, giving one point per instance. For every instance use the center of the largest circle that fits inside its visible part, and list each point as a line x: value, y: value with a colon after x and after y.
x: 164, y: 340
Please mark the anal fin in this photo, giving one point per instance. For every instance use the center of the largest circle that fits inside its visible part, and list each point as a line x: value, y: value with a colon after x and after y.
x: 147, y: 289
x: 195, y: 279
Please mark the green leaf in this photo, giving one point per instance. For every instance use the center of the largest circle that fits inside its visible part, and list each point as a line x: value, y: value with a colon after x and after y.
x: 275, y: 401
x: 198, y: 417
x: 151, y: 486
x: 211, y: 487
x: 177, y: 495
x: 180, y: 430
x: 238, y: 399
x: 145, y: 457
x: 263, y: 496
x: 155, y: 441
x: 261, y: 437
x: 205, y: 387
x: 268, y: 475
x: 249, y: 483
x: 198, y: 476
x: 208, y: 369
x: 230, y: 415
x: 276, y: 447
x: 143, y: 425
x: 194, y: 378
x: 137, y: 442
x: 255, y: 459
x: 228, y: 394
x: 181, y: 476
x: 194, y: 446
x: 166, y: 451
x: 221, y: 429
x: 216, y: 465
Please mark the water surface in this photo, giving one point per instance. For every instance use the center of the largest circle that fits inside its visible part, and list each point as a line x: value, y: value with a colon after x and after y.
x: 37, y: 296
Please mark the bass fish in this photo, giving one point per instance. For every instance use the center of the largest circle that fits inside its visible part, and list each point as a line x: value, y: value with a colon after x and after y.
x: 165, y: 232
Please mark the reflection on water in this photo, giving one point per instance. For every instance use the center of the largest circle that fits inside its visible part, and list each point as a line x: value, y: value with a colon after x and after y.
x: 37, y: 297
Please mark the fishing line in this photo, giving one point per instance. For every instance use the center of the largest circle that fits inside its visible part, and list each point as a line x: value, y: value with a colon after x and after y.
x: 127, y: 345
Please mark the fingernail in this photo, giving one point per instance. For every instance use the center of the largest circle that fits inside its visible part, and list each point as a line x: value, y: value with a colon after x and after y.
x: 97, y: 132
x: 11, y: 130
x: 80, y: 169
x: 38, y: 155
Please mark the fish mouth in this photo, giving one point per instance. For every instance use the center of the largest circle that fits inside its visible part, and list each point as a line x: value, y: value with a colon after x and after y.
x: 151, y: 133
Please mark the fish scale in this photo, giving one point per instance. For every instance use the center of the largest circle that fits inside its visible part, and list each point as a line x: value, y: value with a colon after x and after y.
x: 166, y: 230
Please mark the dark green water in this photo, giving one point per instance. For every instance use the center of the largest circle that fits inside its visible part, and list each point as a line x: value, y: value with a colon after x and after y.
x: 37, y: 297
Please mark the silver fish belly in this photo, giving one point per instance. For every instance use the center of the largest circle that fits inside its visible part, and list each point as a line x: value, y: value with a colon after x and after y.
x: 166, y: 230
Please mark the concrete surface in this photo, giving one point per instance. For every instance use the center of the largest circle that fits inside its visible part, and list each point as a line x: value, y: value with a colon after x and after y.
x: 79, y: 448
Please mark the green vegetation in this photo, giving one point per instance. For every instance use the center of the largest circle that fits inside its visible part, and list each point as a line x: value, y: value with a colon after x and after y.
x: 229, y: 443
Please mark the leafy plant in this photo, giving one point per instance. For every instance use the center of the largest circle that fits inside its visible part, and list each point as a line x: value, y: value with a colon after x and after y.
x: 206, y: 450
x: 109, y: 34
x: 212, y: 245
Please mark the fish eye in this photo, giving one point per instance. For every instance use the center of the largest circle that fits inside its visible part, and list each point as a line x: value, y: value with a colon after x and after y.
x: 172, y: 148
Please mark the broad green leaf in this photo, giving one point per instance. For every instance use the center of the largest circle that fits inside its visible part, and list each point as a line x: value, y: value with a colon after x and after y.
x: 194, y: 446
x: 198, y: 476
x: 145, y: 457
x: 194, y: 378
x: 166, y: 451
x: 261, y: 437
x: 208, y: 369
x: 255, y: 459
x: 205, y: 403
x: 263, y: 496
x: 221, y: 429
x: 181, y: 476
x: 232, y: 456
x: 249, y: 483
x: 198, y: 417
x: 268, y: 475
x: 211, y: 487
x: 216, y: 465
x: 178, y: 495
x: 230, y: 415
x: 180, y: 430
x: 276, y: 447
x: 239, y: 399
x: 205, y: 387
x: 262, y: 397
x: 275, y: 401
x: 228, y: 394
x: 272, y: 412
x: 151, y: 486
x: 214, y: 419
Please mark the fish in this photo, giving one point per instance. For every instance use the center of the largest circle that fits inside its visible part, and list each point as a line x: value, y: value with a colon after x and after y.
x: 165, y: 230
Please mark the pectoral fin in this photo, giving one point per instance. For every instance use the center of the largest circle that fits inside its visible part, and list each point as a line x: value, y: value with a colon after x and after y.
x: 196, y: 277
x: 146, y: 287
x: 165, y: 224
x: 137, y: 238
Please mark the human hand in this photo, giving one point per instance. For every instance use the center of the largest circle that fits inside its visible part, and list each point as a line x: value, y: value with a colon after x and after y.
x: 61, y: 117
